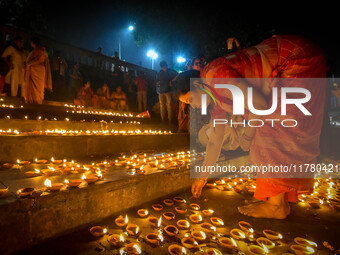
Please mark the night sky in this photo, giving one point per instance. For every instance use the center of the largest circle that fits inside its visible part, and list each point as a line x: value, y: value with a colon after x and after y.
x: 185, y: 27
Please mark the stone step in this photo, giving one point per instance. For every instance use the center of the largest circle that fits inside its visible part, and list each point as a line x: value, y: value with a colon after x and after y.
x: 31, y: 147
x: 34, y: 220
x: 8, y: 126
x: 13, y: 108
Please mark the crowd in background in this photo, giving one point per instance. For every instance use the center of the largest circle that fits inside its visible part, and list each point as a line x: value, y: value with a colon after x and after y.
x: 31, y: 74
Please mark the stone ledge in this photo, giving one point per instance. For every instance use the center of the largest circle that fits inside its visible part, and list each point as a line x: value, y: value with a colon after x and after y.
x: 26, y: 222
x: 42, y: 125
x: 31, y: 147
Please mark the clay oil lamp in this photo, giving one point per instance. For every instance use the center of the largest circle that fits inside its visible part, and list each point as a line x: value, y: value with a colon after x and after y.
x: 302, y: 250
x: 7, y: 165
x: 80, y: 170
x: 53, y: 187
x: 23, y: 163
x: 25, y: 192
x: 217, y: 221
x: 180, y: 210
x: 171, y: 230
x: 99, y: 174
x: 183, y: 224
x: 250, y: 234
x: 195, y: 218
x: 257, y: 250
x: 179, y: 200
x: 262, y: 241
x: 153, y: 164
x: 199, y: 236
x: 237, y: 189
x: 121, y: 221
x: 89, y: 178
x: 132, y: 229
x: 154, y: 238
x: 34, y: 173
x: 56, y: 161
x: 304, y: 242
x: 155, y: 222
x: 237, y: 234
x: 220, y: 182
x: 140, y: 170
x: 245, y: 226
x: 208, y: 212
x: 176, y: 249
x: 210, y: 185
x: 189, y: 242
x: 169, y: 215
x: 40, y: 161
x: 143, y: 213
x: 116, y: 240
x: 157, y: 207
x: 212, y: 251
x: 228, y: 243
x: 272, y: 235
x: 3, y: 192
x: 113, y: 163
x: 207, y: 227
x: 66, y: 170
x: 168, y: 202
x: 48, y: 171
x: 98, y: 231
x: 161, y: 166
x: 195, y: 207
x: 133, y: 248
x: 173, y: 164
x: 73, y: 182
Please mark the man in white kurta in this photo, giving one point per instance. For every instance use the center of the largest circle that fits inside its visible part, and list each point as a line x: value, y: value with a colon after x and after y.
x: 15, y: 57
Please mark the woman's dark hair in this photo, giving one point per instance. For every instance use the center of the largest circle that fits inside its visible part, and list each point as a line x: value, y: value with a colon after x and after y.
x: 36, y: 41
x: 193, y: 60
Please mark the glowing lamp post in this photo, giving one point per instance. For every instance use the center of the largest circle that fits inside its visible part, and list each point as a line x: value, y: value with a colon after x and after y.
x: 181, y: 60
x: 153, y: 55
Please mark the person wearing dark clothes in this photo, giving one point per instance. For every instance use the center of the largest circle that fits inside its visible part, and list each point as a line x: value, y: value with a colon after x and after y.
x: 141, y: 92
x: 183, y: 86
x: 164, y: 78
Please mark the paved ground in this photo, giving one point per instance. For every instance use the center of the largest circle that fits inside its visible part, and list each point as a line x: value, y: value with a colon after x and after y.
x: 318, y: 225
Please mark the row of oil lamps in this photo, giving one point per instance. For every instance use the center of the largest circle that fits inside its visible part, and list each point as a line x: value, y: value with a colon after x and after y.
x: 91, y: 173
x: 68, y: 119
x: 87, y: 132
x: 326, y: 192
x: 82, y: 110
x: 194, y: 239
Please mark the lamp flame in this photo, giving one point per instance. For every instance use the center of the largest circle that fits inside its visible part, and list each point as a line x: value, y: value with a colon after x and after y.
x: 48, y: 183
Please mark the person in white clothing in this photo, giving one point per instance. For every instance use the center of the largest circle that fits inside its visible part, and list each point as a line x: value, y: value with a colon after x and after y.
x: 15, y: 56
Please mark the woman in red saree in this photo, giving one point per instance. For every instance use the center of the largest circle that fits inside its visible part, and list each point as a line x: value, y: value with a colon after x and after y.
x: 38, y: 74
x: 287, y: 56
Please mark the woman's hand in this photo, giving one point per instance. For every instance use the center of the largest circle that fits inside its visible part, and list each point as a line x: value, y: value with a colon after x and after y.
x: 197, y: 186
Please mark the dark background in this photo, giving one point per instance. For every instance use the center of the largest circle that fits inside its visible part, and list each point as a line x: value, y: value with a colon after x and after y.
x: 173, y: 28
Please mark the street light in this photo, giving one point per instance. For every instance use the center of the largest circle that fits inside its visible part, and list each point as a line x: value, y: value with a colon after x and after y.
x: 130, y: 28
x: 153, y: 55
x: 181, y: 60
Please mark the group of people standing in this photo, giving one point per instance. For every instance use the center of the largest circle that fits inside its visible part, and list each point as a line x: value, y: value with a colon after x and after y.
x: 29, y: 71
x: 169, y: 85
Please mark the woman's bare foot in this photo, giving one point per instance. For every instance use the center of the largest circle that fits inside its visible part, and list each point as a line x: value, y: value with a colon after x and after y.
x: 273, y: 208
